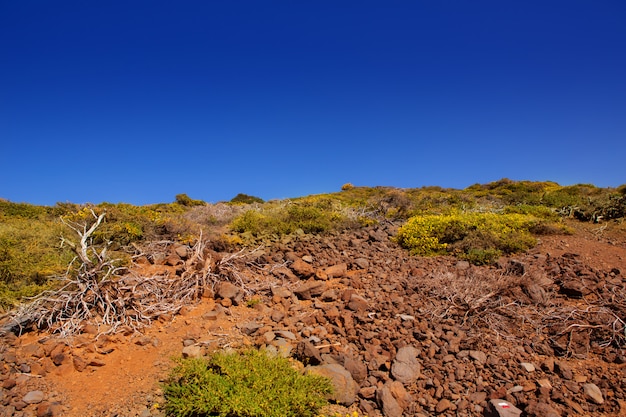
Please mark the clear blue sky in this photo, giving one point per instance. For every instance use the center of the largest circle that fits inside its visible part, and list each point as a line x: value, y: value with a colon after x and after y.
x: 137, y: 101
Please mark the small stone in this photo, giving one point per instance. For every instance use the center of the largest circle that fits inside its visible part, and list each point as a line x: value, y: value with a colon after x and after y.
x: 478, y: 356
x: 542, y: 409
x: 285, y: 334
x: 478, y: 397
x: 9, y: 383
x: 192, y: 351
x: 268, y: 336
x: 281, y: 292
x: 357, y: 303
x: 548, y: 364
x: 393, y: 398
x: 575, y: 406
x: 65, y: 369
x: 96, y: 362
x: 593, y: 392
x: 544, y: 383
x: 580, y: 379
x: 367, y: 392
x: 345, y: 388
x: 517, y: 388
x: 307, y: 353
x: 33, y: 397
x: 284, y: 347
x: 211, y: 315
x: 502, y: 408
x: 229, y: 291
x: 310, y: 289
x: 302, y: 268
x: 528, y: 367
x: 19, y: 405
x: 79, y: 363
x: 143, y: 341
x: 362, y: 263
x: 49, y: 409
x: 250, y: 328
x: 405, y: 367
x: 336, y: 271
x: 443, y: 405
x: 564, y: 370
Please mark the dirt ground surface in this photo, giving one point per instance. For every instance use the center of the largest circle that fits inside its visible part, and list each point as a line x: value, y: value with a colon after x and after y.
x: 543, y: 330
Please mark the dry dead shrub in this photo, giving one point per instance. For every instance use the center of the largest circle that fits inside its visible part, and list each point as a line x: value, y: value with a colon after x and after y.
x: 97, y: 291
x: 219, y: 214
x: 470, y: 293
x: 493, y: 299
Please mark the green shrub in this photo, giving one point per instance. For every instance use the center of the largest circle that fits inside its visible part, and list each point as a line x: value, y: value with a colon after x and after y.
x: 246, y: 199
x: 185, y: 200
x: 481, y: 256
x: 541, y: 212
x: 573, y: 195
x: 474, y: 235
x: 30, y: 250
x: 252, y: 222
x: 310, y: 215
x: 245, y: 384
x: 22, y: 210
x: 29, y: 254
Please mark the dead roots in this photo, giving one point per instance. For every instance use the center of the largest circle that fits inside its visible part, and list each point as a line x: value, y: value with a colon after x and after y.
x: 96, y: 292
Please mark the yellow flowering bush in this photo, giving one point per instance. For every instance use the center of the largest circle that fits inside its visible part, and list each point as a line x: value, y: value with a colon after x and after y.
x: 480, y: 236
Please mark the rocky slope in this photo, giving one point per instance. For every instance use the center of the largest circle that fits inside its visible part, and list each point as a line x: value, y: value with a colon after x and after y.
x: 542, y: 333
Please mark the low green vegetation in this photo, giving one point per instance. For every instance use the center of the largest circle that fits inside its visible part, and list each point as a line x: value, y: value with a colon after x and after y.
x: 185, y: 200
x: 246, y: 199
x: 243, y: 384
x: 276, y: 219
x: 30, y: 251
x: 436, y: 221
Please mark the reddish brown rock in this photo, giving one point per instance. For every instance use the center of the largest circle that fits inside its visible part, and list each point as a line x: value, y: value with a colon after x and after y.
x: 302, y: 268
x: 393, y: 399
x: 406, y: 367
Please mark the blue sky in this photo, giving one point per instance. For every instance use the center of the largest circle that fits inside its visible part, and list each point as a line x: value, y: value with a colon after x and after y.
x: 137, y: 101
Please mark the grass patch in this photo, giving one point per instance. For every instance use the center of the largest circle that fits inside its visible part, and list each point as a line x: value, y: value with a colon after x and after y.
x: 311, y: 215
x: 243, y: 384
